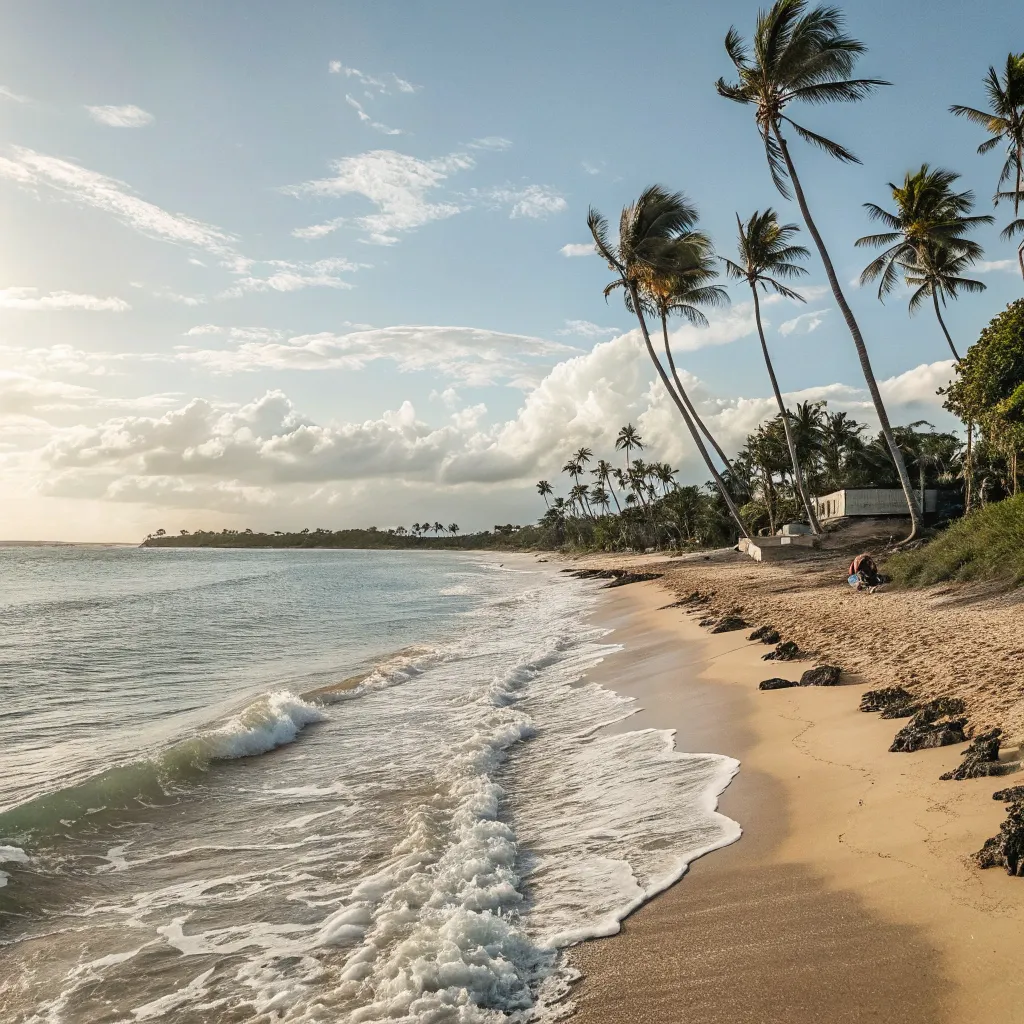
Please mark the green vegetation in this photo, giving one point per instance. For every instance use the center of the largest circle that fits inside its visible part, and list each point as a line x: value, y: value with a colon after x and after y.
x: 986, y: 545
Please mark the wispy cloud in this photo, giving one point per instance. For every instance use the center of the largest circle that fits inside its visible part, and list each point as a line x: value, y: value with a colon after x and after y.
x: 592, y: 166
x: 289, y: 276
x: 987, y: 266
x: 29, y: 299
x: 493, y: 142
x: 805, y: 323
x: 534, y: 201
x: 578, y: 249
x: 586, y: 329
x: 389, y: 83
x: 366, y: 119
x: 10, y: 94
x: 128, y: 116
x: 395, y: 183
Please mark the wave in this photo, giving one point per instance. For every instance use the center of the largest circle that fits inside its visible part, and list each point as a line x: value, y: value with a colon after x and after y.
x: 392, y: 670
x: 269, y: 722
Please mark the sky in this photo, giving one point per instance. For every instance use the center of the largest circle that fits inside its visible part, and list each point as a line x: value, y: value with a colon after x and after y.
x: 325, y: 264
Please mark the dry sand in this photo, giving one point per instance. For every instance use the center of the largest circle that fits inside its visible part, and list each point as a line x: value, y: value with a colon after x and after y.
x: 851, y: 896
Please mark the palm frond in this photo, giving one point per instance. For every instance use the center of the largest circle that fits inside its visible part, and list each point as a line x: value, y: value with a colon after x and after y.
x: 1012, y: 229
x: 833, y: 149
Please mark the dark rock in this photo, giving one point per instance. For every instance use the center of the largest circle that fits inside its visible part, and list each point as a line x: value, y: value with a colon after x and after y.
x: 981, y: 759
x: 730, y: 624
x: 932, y: 726
x: 823, y: 675
x: 786, y: 651
x: 776, y: 684
x: 1006, y: 850
x: 766, y: 635
x: 709, y: 620
x: 632, y: 577
x: 1011, y: 795
x: 892, y: 701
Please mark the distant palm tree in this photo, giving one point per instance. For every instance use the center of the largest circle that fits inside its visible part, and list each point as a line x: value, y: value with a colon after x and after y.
x: 926, y: 240
x: 646, y: 232
x: 400, y: 531
x: 803, y: 55
x: 544, y: 489
x: 574, y: 467
x: 416, y: 529
x: 603, y: 471
x: 1004, y: 121
x: 453, y: 529
x: 599, y: 497
x: 438, y: 528
x: 627, y: 439
x: 766, y: 258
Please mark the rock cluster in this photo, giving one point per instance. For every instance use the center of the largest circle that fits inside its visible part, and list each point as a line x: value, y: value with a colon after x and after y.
x: 632, y: 577
x: 729, y: 624
x: 1006, y: 850
x: 776, y: 684
x: 934, y: 725
x: 1011, y: 794
x: 786, y: 651
x: 823, y: 675
x: 892, y: 701
x: 981, y: 759
x: 766, y: 635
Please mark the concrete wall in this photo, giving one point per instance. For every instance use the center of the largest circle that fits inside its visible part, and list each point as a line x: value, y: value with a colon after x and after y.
x: 869, y: 501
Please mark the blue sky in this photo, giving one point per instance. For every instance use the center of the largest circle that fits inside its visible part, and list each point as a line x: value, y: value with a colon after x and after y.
x: 282, y: 265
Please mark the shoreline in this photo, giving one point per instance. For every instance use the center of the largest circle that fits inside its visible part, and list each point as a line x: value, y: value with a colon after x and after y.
x: 850, y: 895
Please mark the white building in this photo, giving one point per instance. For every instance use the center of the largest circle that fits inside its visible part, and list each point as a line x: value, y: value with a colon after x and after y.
x: 869, y: 501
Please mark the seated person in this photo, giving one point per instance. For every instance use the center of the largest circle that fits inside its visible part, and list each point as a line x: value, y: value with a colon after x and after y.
x: 863, y: 573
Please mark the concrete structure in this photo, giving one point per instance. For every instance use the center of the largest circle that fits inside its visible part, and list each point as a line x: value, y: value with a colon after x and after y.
x: 869, y: 501
x: 774, y: 549
x: 795, y: 530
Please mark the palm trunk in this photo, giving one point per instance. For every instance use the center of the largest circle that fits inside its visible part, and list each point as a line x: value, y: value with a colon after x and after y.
x: 969, y: 470
x: 798, y: 475
x: 858, y: 340
x: 942, y: 324
x: 719, y: 482
x: 689, y: 405
x: 611, y: 487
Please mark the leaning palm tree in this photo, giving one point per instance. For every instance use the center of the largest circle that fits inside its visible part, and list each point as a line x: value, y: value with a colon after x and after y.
x: 603, y: 471
x: 766, y: 257
x: 1004, y: 122
x: 647, y: 230
x: 927, y: 239
x: 803, y: 55
x: 544, y: 489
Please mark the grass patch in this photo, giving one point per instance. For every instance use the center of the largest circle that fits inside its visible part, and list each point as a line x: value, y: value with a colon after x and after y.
x: 986, y: 545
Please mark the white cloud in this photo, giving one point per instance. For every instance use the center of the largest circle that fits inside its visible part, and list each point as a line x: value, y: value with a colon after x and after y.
x: 535, y: 201
x: 288, y: 276
x: 586, y: 329
x: 987, y: 266
x: 920, y: 385
x: 114, y: 197
x: 395, y: 183
x: 29, y: 299
x: 128, y: 116
x: 492, y: 142
x: 805, y: 323
x: 10, y: 94
x: 578, y: 249
x: 366, y: 119
x: 469, y: 356
x: 388, y: 84
x: 590, y: 167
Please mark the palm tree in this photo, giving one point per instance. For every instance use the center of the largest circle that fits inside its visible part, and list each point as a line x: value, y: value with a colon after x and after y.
x: 574, y: 467
x: 603, y: 471
x: 416, y: 529
x: 627, y: 439
x: 453, y: 529
x: 803, y: 55
x: 926, y: 240
x: 599, y: 497
x: 1004, y: 122
x: 647, y: 230
x: 544, y: 489
x: 437, y: 528
x: 766, y: 255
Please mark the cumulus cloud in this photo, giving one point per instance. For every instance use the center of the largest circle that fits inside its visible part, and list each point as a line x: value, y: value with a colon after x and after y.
x: 29, y: 299
x: 805, y: 323
x: 465, y: 355
x: 128, y: 116
x: 578, y: 249
x: 389, y: 83
x: 397, y: 184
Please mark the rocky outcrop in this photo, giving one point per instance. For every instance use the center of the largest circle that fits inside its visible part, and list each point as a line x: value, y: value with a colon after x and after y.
x: 766, y: 635
x: 729, y: 624
x: 1006, y: 850
x: 1010, y: 795
x: 892, y: 701
x: 776, y: 684
x: 823, y: 675
x: 933, y: 725
x: 632, y: 577
x: 981, y: 759
x: 786, y: 651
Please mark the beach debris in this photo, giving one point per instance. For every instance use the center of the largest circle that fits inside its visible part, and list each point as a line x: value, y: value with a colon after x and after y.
x: 892, y: 701
x: 632, y: 577
x: 933, y: 725
x: 786, y: 651
x: 1006, y: 850
x: 823, y: 675
x: 729, y: 624
x: 981, y: 759
x: 1010, y: 795
x: 776, y: 684
x: 766, y: 635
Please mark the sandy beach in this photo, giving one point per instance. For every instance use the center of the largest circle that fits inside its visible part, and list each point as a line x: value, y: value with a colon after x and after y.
x: 851, y: 895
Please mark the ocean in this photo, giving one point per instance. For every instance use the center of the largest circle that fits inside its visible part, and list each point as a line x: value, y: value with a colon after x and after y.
x: 318, y: 786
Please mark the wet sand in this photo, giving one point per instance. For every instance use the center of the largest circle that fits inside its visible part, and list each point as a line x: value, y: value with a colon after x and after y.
x: 850, y: 896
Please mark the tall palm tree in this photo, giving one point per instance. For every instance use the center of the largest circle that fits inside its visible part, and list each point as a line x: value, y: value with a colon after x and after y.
x: 603, y: 471
x: 574, y: 467
x: 647, y: 229
x: 803, y: 55
x: 544, y: 489
x: 927, y: 240
x: 1004, y: 122
x: 766, y: 257
x: 453, y: 529
x: 627, y: 439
